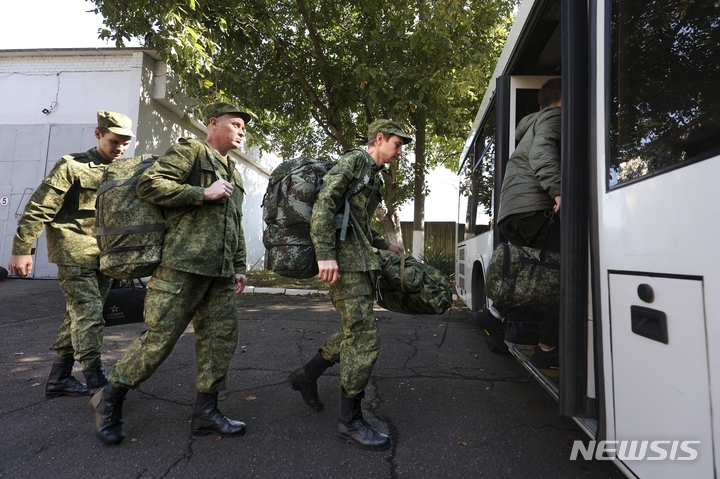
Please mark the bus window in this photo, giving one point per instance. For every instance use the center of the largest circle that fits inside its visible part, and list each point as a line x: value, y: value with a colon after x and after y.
x: 477, y: 180
x: 665, y: 86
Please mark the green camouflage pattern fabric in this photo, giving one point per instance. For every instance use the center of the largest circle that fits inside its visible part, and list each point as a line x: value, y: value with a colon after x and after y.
x: 388, y: 127
x: 399, y: 272
x: 516, y: 276
x: 129, y: 230
x: 356, y: 344
x: 81, y: 332
x: 209, y: 239
x: 174, y: 299
x: 216, y: 110
x: 433, y: 297
x: 115, y: 122
x: 356, y: 252
x: 287, y: 208
x: 64, y: 204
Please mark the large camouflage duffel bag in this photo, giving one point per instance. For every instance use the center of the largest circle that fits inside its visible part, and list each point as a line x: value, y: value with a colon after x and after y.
x: 521, y: 276
x: 406, y: 285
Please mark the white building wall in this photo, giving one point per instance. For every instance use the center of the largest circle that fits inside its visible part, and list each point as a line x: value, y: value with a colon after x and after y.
x: 72, y: 85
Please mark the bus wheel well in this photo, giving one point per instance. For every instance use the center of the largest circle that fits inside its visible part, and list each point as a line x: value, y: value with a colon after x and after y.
x: 478, y: 287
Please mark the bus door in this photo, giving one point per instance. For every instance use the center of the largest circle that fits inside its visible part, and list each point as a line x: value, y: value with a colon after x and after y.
x: 657, y: 230
x: 517, y: 98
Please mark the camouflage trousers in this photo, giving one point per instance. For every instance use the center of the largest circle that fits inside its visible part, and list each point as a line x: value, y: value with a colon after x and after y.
x: 81, y: 333
x: 174, y: 298
x: 356, y: 344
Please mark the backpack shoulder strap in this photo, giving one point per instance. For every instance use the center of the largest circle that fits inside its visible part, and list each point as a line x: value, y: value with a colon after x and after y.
x: 147, y: 160
x: 354, y: 188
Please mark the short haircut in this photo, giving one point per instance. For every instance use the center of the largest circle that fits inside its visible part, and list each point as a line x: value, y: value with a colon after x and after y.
x: 387, y: 136
x: 550, y: 92
x: 103, y: 131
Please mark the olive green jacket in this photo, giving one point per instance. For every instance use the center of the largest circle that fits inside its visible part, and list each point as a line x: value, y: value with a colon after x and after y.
x: 64, y: 204
x: 207, y: 237
x: 355, y: 253
x: 532, y: 176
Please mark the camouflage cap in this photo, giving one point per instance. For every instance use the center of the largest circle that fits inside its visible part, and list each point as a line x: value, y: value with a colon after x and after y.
x: 388, y: 127
x: 115, y: 122
x: 216, y: 110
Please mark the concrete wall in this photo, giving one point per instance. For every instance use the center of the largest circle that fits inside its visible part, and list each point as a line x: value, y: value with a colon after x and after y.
x: 71, y: 86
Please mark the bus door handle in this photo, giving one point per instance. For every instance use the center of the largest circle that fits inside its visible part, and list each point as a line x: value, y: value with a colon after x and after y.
x: 649, y: 323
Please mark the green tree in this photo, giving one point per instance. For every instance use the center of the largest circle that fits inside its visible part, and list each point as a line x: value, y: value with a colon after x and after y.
x: 315, y: 74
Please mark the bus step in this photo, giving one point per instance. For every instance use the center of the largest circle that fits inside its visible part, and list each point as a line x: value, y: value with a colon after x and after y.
x: 548, y: 379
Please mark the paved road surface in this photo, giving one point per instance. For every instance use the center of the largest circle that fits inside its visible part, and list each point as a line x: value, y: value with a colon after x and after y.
x: 457, y: 412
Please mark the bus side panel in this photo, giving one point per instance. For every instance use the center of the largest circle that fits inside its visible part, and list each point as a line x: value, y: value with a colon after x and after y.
x: 473, y: 256
x: 664, y: 227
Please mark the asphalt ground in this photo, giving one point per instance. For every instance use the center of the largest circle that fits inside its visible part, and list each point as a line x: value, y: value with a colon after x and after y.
x: 458, y: 411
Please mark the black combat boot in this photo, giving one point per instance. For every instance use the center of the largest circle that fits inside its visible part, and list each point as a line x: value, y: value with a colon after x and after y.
x: 61, y: 381
x: 207, y: 418
x: 107, y: 409
x: 95, y: 376
x: 305, y: 379
x: 353, y: 428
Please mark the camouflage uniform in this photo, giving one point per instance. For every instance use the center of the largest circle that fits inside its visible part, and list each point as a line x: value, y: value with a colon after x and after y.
x: 64, y: 204
x: 195, y: 281
x: 357, y: 343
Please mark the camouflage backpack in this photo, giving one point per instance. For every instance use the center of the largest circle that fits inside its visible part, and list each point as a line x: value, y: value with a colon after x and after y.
x: 287, y: 207
x: 406, y: 285
x: 129, y: 230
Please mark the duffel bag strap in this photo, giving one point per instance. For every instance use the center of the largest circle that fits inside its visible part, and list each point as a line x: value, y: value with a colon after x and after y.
x: 447, y: 323
x: 549, y: 221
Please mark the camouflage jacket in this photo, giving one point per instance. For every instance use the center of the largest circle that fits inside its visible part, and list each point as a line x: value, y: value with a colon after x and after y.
x: 64, y: 204
x: 355, y: 253
x: 207, y: 238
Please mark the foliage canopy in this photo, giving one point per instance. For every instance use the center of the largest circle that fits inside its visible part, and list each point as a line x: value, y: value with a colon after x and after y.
x: 316, y: 73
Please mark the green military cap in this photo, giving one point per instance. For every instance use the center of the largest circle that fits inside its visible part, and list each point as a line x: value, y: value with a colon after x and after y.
x: 115, y: 122
x: 388, y: 127
x: 216, y: 110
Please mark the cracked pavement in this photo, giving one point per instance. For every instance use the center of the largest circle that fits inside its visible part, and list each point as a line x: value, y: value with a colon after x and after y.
x: 453, y: 411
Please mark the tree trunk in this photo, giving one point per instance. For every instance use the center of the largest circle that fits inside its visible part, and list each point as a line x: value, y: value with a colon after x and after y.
x: 389, y: 217
x: 391, y: 226
x: 419, y: 216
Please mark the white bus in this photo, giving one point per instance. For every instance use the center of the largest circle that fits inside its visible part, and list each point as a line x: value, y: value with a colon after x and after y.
x: 640, y: 273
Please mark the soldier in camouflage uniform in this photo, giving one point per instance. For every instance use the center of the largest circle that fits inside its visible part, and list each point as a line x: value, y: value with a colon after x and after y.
x: 202, y: 268
x: 64, y: 204
x: 350, y: 266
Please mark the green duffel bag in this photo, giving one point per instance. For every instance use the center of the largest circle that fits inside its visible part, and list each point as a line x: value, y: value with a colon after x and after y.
x: 432, y: 295
x: 522, y: 276
x: 400, y: 272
